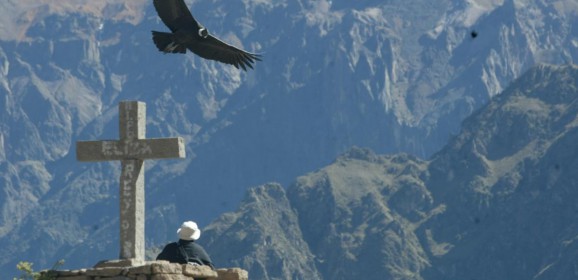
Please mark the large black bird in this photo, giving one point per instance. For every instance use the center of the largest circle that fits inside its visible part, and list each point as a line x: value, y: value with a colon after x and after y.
x: 187, y: 33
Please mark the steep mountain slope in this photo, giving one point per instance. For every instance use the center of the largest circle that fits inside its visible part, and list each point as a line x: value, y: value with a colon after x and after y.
x: 354, y: 217
x: 392, y: 76
x: 358, y: 216
x: 266, y: 226
x: 498, y: 202
x: 509, y: 182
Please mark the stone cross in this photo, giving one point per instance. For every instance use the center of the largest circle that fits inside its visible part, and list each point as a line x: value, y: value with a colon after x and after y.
x: 132, y: 149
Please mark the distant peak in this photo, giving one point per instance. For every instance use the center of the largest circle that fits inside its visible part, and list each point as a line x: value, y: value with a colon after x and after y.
x: 360, y: 154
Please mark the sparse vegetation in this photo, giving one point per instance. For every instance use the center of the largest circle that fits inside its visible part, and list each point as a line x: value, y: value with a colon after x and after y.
x: 28, y: 272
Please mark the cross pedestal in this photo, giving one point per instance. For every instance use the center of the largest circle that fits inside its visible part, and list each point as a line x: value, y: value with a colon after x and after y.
x: 131, y: 149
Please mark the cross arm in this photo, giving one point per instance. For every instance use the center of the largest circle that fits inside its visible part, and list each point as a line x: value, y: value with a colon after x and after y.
x: 154, y: 148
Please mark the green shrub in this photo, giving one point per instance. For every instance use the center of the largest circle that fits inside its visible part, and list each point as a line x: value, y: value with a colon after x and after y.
x: 29, y: 274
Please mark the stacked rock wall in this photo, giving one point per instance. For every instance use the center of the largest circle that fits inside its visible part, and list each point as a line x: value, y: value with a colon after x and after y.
x: 154, y: 270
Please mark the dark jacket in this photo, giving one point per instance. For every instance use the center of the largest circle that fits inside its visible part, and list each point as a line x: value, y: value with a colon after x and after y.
x: 185, y: 251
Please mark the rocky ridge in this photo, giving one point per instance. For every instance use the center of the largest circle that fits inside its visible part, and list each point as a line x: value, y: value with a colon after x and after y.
x: 496, y: 203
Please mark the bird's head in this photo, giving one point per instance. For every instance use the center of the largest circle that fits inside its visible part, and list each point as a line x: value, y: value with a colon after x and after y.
x: 203, y: 32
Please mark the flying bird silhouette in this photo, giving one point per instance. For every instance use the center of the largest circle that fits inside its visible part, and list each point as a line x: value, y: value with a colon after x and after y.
x: 189, y: 34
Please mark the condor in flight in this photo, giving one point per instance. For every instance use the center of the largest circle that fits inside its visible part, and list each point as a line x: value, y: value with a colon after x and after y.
x: 187, y: 33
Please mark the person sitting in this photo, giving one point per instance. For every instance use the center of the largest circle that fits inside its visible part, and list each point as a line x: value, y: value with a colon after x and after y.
x: 186, y: 250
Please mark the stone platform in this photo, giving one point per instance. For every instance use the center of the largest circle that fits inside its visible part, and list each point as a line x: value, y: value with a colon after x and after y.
x: 150, y: 270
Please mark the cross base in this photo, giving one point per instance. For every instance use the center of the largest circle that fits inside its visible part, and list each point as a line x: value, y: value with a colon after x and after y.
x: 119, y: 263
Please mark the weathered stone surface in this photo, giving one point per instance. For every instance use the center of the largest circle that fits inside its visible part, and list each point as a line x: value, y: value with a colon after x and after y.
x: 70, y: 272
x: 170, y: 277
x: 232, y: 274
x: 107, y: 271
x: 164, y: 267
x: 143, y: 269
x: 79, y: 277
x: 118, y: 278
x: 199, y: 271
x: 152, y: 270
x: 119, y: 263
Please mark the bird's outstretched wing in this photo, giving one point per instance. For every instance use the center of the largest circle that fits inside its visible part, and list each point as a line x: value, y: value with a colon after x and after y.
x: 215, y: 49
x: 175, y: 14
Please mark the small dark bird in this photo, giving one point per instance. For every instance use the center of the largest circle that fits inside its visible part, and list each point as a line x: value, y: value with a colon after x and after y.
x: 474, y: 34
x: 189, y: 34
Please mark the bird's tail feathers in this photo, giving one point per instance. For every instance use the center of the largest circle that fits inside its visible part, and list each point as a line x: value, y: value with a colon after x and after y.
x: 165, y: 43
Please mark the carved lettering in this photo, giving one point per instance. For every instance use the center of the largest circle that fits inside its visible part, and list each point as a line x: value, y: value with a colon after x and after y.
x: 128, y: 186
x: 109, y: 148
x: 129, y: 170
x: 130, y: 129
x: 142, y: 148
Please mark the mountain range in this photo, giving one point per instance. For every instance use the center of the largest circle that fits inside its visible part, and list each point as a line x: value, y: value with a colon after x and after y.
x: 396, y: 77
x: 498, y: 202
